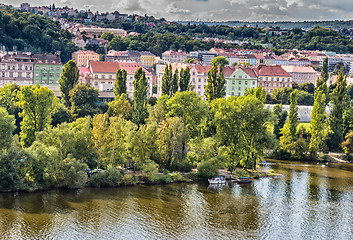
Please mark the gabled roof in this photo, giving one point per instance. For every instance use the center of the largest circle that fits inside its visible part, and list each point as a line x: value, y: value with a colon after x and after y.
x: 275, y: 70
x: 200, y: 68
x: 112, y: 67
x: 292, y: 69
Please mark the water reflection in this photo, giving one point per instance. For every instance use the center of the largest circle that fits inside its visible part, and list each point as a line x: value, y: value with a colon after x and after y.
x: 310, y: 202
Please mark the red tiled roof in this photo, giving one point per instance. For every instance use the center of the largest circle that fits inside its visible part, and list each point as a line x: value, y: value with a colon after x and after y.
x: 227, y: 71
x: 292, y: 69
x: 250, y: 71
x: 200, y: 68
x: 84, y: 70
x: 112, y: 67
x: 86, y: 52
x: 276, y: 70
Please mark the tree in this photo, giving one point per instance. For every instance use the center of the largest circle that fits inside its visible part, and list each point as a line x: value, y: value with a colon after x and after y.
x: 35, y: 103
x: 100, y: 137
x: 215, y: 87
x: 324, y: 73
x: 7, y: 127
x: 9, y: 99
x: 222, y: 61
x: 108, y: 36
x: 175, y: 84
x: 140, y: 98
x: 190, y: 60
x: 172, y: 140
x: 121, y: 107
x: 289, y: 130
x: 339, y: 100
x: 184, y: 82
x: 190, y: 108
x: 348, y: 144
x: 167, y: 80
x: 120, y: 83
x: 281, y: 117
x: 84, y: 99
x: 318, y: 128
x: 68, y: 80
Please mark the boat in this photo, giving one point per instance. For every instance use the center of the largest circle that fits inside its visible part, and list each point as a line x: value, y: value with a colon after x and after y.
x: 242, y: 180
x: 217, y: 180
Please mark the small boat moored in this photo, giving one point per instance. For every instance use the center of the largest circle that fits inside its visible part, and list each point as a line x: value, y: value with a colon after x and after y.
x: 217, y: 180
x: 242, y: 180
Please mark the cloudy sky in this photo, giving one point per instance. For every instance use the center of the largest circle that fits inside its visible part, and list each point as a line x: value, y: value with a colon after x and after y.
x: 217, y: 10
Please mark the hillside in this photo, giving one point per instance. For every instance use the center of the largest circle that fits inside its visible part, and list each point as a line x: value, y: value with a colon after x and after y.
x: 33, y: 33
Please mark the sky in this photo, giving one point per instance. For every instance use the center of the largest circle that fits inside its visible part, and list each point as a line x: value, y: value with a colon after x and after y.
x: 215, y: 10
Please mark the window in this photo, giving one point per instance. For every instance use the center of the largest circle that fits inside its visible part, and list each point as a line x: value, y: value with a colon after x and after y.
x: 19, y: 74
x: 239, y: 88
x: 233, y: 82
x: 238, y: 94
x: 277, y: 79
x: 240, y: 76
x: 95, y: 76
x: 266, y: 78
x: 232, y: 93
x: 246, y: 82
x: 199, y: 79
x: 103, y: 76
x: 199, y: 86
x: 37, y: 74
x: 95, y: 83
x: 51, y: 68
x: 110, y: 76
x: 239, y: 82
x: 233, y: 88
x: 253, y: 82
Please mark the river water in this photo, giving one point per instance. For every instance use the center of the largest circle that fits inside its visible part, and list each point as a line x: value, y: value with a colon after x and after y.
x: 312, y: 201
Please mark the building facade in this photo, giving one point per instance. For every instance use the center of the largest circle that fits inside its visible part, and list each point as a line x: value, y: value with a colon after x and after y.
x: 47, y: 69
x: 174, y: 57
x: 272, y: 77
x: 81, y: 57
x: 239, y: 80
x: 302, y: 74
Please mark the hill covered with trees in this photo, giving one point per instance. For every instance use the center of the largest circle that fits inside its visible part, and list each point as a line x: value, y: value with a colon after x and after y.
x: 33, y: 33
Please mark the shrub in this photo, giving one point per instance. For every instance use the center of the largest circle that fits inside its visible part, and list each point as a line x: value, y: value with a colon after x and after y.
x: 208, y: 169
x: 240, y: 173
x: 177, y: 177
x: 129, y: 180
x: 165, y: 178
x: 149, y: 170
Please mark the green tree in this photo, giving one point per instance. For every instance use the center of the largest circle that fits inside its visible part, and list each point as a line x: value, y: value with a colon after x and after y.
x: 84, y: 99
x: 184, y: 82
x: 347, y: 145
x: 190, y: 60
x: 108, y: 36
x: 222, y: 61
x: 100, y: 126
x: 289, y: 130
x: 121, y: 107
x: 120, y: 83
x: 281, y: 116
x: 7, y: 127
x: 35, y: 103
x: 172, y: 139
x: 339, y: 100
x: 215, y: 87
x: 190, y: 108
x: 167, y: 80
x: 68, y: 80
x: 319, y: 129
x: 175, y: 84
x: 9, y: 99
x: 140, y: 98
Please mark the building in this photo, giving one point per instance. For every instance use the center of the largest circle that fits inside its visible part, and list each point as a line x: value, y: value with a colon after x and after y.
x: 16, y: 68
x: 147, y: 59
x: 272, y: 77
x: 104, y: 75
x: 238, y: 80
x: 98, y: 31
x: 204, y: 57
x: 81, y: 57
x: 198, y: 78
x: 117, y: 56
x: 302, y: 74
x: 47, y: 69
x: 174, y: 57
x: 85, y: 75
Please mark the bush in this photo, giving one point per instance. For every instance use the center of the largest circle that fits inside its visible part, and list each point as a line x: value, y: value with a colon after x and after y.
x: 129, y: 180
x: 149, y: 170
x: 240, y: 173
x: 165, y: 178
x: 208, y: 169
x: 177, y: 177
x: 112, y: 177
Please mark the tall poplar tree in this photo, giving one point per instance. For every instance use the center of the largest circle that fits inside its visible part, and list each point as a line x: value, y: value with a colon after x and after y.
x: 140, y: 98
x: 215, y: 87
x: 120, y: 83
x: 340, y: 104
x: 68, y: 80
x: 321, y: 82
x: 175, y: 84
x: 184, y: 82
x: 289, y: 130
x: 318, y: 128
x: 167, y: 80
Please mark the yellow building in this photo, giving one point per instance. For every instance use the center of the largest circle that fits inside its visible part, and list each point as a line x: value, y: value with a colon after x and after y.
x: 147, y: 59
x: 81, y: 58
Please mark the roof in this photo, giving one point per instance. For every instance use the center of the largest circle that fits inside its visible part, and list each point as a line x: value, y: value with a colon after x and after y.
x: 200, y: 68
x: 47, y: 58
x: 174, y: 53
x: 112, y: 67
x: 296, y: 69
x: 250, y: 71
x: 84, y: 70
x: 275, y: 70
x: 85, y: 52
x: 227, y: 71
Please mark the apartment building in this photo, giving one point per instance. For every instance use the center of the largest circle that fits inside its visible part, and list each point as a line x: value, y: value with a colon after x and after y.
x: 82, y: 57
x: 302, y: 74
x: 272, y: 77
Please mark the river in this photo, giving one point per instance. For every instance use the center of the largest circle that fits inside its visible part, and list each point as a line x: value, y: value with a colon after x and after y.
x: 312, y: 201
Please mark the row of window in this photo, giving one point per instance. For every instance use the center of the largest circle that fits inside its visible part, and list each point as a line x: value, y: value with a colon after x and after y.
x: 50, y: 75
x: 50, y: 68
x: 111, y: 77
x: 19, y: 74
x: 276, y: 85
x: 273, y: 79
x: 19, y: 67
x: 245, y: 82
